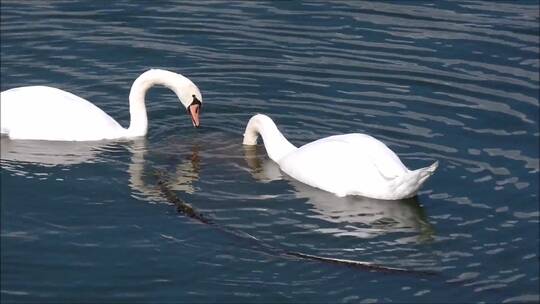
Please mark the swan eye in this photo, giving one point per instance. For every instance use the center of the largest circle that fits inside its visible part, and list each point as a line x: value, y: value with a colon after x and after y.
x: 195, y: 101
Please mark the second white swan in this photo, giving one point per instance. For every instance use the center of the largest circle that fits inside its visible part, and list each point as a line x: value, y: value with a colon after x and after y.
x: 46, y: 113
x: 349, y: 164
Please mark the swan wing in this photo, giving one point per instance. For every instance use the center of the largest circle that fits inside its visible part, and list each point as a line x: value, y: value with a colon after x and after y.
x: 40, y: 112
x: 343, y: 164
x: 387, y: 162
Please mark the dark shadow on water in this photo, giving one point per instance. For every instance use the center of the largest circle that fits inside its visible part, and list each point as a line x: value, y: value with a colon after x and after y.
x: 186, y: 209
x: 168, y: 187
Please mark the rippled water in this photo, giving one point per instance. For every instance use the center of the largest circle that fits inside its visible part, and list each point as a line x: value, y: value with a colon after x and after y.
x: 455, y: 81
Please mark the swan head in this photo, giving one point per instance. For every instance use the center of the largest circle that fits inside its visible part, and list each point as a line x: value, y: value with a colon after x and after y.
x: 194, y: 110
x: 191, y: 98
x: 188, y: 93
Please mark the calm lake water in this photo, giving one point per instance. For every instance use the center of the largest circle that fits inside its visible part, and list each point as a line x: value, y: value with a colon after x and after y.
x: 454, y: 81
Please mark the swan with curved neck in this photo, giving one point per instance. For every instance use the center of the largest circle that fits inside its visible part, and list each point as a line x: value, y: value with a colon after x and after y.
x: 348, y: 164
x: 47, y: 113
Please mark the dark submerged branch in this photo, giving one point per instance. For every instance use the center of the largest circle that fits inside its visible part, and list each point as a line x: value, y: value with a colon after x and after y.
x: 187, y: 210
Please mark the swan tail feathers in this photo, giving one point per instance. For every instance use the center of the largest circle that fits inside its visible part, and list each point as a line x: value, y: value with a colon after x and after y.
x: 407, y: 185
x: 428, y: 171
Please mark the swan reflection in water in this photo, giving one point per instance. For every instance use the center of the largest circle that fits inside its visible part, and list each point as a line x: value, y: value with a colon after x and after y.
x: 181, y: 179
x: 49, y: 153
x: 15, y: 154
x: 357, y: 216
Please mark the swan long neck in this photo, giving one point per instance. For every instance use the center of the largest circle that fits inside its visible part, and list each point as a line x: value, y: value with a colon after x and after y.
x: 181, y: 85
x: 277, y: 146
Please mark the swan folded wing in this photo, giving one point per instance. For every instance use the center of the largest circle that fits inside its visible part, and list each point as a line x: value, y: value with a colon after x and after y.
x: 336, y: 165
x: 374, y: 151
x: 52, y: 114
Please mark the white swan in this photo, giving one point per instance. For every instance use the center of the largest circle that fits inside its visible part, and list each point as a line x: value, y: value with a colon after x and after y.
x: 349, y: 164
x: 46, y: 113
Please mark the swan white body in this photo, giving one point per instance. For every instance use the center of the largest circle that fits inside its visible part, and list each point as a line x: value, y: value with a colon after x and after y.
x: 46, y: 113
x: 349, y: 164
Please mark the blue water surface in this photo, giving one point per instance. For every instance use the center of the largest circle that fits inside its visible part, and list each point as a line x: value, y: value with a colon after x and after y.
x: 454, y: 81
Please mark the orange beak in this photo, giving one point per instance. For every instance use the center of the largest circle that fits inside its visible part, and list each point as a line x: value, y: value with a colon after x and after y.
x: 194, y: 112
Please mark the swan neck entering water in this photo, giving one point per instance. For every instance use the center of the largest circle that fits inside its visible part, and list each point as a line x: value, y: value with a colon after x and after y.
x: 180, y: 85
x: 277, y: 146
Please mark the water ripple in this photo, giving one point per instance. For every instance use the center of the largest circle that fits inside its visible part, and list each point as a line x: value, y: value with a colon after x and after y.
x: 453, y: 81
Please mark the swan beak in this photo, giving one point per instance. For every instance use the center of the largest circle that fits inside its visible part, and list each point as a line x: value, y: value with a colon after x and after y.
x: 194, y: 112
